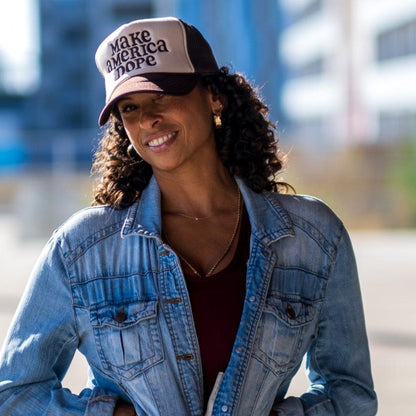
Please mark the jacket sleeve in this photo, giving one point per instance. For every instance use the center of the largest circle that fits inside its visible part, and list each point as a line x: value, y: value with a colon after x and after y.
x: 39, y: 348
x: 338, y: 362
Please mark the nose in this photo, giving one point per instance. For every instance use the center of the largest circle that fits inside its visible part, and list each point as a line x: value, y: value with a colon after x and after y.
x: 149, y: 119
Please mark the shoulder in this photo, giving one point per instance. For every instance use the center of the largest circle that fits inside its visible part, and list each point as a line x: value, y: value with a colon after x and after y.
x: 89, y: 225
x: 311, y: 215
x: 308, y: 207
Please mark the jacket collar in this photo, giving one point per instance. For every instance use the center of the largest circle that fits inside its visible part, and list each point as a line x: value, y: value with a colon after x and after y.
x: 144, y: 216
x: 269, y: 220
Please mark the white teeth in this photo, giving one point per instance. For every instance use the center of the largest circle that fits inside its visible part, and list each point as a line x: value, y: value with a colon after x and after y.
x: 160, y: 140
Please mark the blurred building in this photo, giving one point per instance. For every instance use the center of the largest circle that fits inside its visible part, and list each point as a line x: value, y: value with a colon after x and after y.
x: 389, y: 76
x: 12, y: 146
x: 332, y: 72
x: 352, y: 66
x: 244, y: 35
x: 61, y: 117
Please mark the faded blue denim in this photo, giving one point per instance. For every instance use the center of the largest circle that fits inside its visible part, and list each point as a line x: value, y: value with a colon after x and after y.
x: 108, y: 285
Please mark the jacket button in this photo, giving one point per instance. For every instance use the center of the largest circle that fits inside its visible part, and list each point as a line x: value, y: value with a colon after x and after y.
x: 224, y: 408
x: 290, y: 312
x: 120, y: 316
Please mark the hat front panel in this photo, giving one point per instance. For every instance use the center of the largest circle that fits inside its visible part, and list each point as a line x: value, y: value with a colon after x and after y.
x: 143, y: 47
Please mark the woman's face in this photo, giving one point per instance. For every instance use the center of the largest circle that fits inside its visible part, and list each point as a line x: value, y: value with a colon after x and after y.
x: 170, y: 131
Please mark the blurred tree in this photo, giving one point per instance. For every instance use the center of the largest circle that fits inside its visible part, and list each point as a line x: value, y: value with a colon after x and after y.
x: 403, y: 175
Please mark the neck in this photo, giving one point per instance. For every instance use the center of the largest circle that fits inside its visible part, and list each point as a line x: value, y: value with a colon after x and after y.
x: 200, y: 194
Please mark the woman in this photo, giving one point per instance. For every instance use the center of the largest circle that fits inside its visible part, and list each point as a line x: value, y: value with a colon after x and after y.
x: 193, y: 286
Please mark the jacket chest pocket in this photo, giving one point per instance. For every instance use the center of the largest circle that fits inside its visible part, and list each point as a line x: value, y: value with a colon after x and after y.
x: 284, y: 325
x: 127, y: 337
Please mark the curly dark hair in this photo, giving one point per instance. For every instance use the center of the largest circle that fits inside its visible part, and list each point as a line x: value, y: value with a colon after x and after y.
x: 246, y: 144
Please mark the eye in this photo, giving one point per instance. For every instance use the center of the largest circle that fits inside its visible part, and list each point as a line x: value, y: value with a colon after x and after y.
x: 159, y: 98
x: 125, y: 107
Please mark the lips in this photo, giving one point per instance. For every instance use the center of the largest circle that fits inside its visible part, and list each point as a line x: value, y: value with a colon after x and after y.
x: 160, y: 140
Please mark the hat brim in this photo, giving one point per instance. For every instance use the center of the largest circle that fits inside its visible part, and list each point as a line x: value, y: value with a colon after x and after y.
x: 174, y: 84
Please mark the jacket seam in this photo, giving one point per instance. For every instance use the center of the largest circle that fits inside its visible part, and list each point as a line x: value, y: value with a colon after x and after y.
x: 317, y: 405
x: 340, y: 237
x: 302, y: 269
x: 75, y: 337
x: 115, y: 276
x: 305, y: 229
x: 258, y: 392
x: 88, y: 246
x: 317, y: 362
x: 68, y: 282
x: 106, y: 398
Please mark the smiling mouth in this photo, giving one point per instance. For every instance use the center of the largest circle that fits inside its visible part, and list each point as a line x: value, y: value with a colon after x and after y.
x: 161, y: 140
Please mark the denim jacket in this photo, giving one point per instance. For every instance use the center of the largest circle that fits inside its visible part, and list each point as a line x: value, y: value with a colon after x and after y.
x: 108, y: 285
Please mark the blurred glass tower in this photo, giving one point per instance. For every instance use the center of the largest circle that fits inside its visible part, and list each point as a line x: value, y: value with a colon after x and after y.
x: 61, y: 116
x: 352, y: 71
x: 244, y: 35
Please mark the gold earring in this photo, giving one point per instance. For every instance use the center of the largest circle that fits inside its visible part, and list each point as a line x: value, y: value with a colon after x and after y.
x: 217, y: 121
x: 132, y: 153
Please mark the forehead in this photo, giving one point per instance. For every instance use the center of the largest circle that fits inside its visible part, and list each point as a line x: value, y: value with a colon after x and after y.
x: 197, y: 94
x: 140, y: 96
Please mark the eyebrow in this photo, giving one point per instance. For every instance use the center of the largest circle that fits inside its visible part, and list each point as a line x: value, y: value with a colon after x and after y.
x: 124, y: 98
x: 157, y: 95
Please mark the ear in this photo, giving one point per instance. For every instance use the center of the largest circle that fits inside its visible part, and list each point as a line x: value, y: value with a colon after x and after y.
x: 217, y: 103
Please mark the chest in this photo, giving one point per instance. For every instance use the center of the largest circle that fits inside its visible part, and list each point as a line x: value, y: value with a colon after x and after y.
x: 205, y: 246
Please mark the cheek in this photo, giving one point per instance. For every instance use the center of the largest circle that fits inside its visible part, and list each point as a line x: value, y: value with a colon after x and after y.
x: 135, y: 142
x: 201, y: 121
x: 132, y: 134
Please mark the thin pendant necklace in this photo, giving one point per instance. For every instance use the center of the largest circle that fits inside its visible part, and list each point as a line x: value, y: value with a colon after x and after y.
x: 194, y: 218
x: 227, y: 249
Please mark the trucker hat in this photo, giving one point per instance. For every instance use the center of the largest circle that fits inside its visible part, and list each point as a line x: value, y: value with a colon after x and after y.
x: 165, y: 55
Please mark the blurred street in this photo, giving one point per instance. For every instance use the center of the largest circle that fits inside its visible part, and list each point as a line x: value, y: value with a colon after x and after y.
x: 387, y: 264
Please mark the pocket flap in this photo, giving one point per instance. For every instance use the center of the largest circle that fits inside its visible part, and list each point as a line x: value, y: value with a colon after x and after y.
x: 292, y: 310
x: 124, y: 314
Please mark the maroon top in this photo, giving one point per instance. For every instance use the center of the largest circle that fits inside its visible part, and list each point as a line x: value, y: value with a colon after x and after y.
x: 217, y: 304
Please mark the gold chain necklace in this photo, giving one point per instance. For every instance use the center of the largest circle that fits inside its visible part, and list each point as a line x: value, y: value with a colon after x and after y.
x: 230, y: 243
